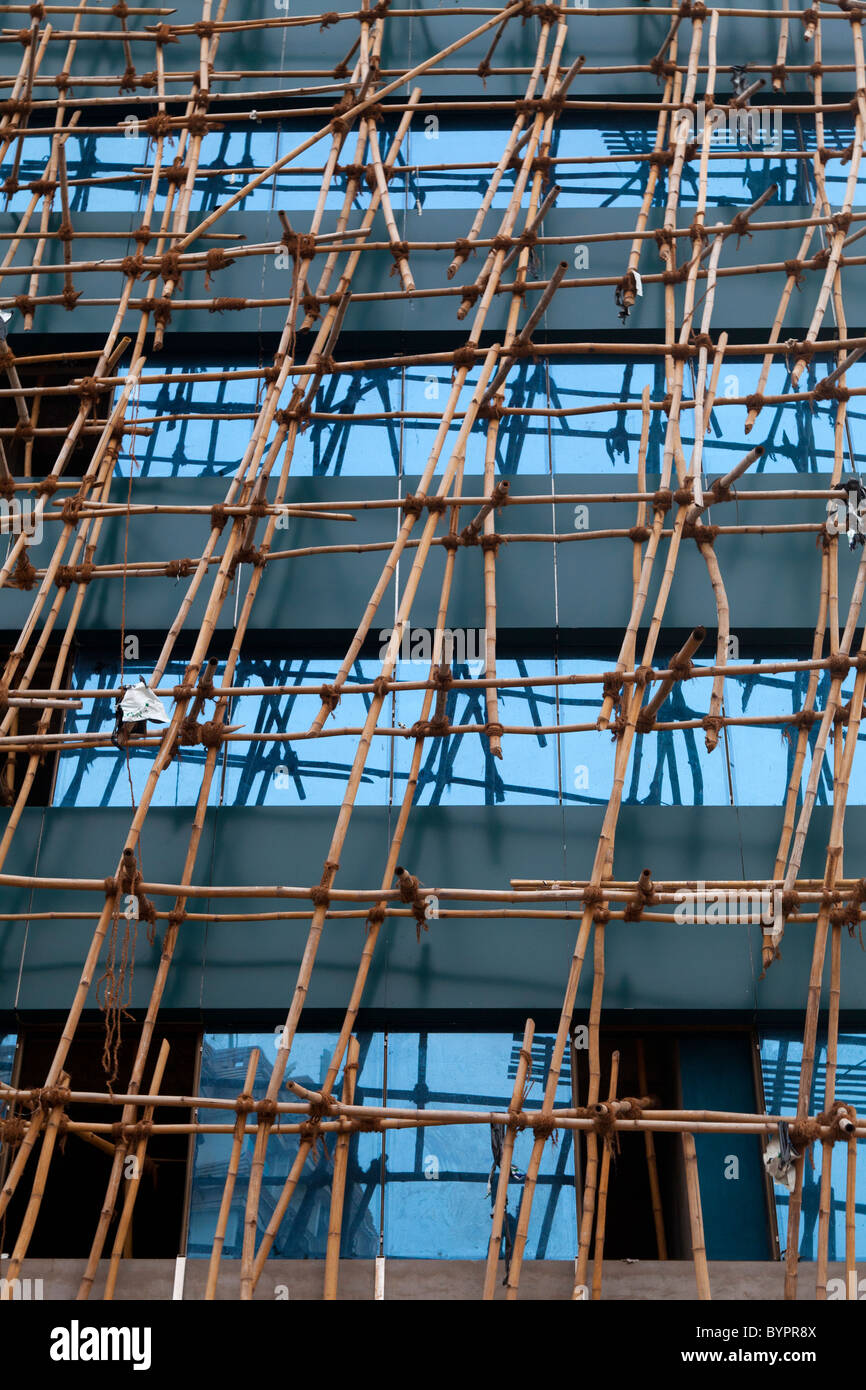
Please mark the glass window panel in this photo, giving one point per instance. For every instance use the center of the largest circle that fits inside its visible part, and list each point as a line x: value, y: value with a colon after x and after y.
x: 436, y: 1199
x: 795, y: 436
x: 8, y: 1043
x: 260, y: 773
x: 437, y: 1203
x: 458, y: 770
x: 751, y: 765
x: 781, y: 1056
x: 304, y: 1232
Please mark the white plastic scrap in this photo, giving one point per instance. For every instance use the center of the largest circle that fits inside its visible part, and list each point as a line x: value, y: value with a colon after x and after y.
x: 638, y: 284
x: 780, y: 1170
x: 140, y: 703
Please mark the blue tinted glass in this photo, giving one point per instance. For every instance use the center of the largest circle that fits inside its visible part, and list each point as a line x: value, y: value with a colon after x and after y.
x: 781, y: 1055
x: 795, y: 436
x: 458, y: 769
x: 304, y: 1232
x: 437, y: 1203
x: 201, y: 428
x: 260, y: 773
x: 670, y: 767
x: 441, y: 1183
x: 8, y: 1043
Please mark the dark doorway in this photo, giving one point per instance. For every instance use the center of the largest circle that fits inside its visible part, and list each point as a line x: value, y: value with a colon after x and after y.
x: 630, y: 1226
x: 79, y: 1171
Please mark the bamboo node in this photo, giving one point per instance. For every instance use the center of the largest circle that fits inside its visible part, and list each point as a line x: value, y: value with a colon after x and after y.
x: 218, y: 517
x: 73, y: 574
x: 821, y: 259
x: 160, y: 308
x: 662, y: 67
x: 330, y: 696
x: 89, y: 389
x: 25, y: 305
x: 48, y: 486
x: 605, y: 1126
x: 740, y: 225
x: 838, y: 664
x: 24, y: 575
x: 12, y: 1131
x: 413, y: 505
x: 320, y: 896
x: 176, y: 173
x: 492, y: 541
x: 662, y: 500
x: 682, y: 665
x: 639, y: 534
x: 49, y: 1098
x: 163, y: 33
x: 779, y: 74
x: 216, y: 259
x: 541, y: 1125
x: 159, y: 125
x: 465, y: 356
x: 179, y: 569
x: 676, y: 277
x: 702, y: 535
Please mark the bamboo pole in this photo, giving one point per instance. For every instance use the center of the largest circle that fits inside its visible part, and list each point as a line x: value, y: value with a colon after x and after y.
x: 598, y: 1260
x: 696, y: 1223
x: 652, y: 1165
x: 338, y: 1179
x: 133, y: 1180
x: 231, y: 1178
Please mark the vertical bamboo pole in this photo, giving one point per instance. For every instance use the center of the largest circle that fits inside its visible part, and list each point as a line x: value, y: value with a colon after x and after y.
x: 338, y: 1179
x: 652, y: 1165
x: 28, y: 1223
x: 501, y: 1199
x: 124, y: 1225
x: 238, y: 1137
x: 696, y: 1221
x: 598, y: 1262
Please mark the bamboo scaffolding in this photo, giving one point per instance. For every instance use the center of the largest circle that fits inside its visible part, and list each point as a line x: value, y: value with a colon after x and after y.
x: 237, y: 544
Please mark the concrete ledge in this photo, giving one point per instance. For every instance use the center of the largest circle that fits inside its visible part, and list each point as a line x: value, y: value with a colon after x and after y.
x: 431, y: 1280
